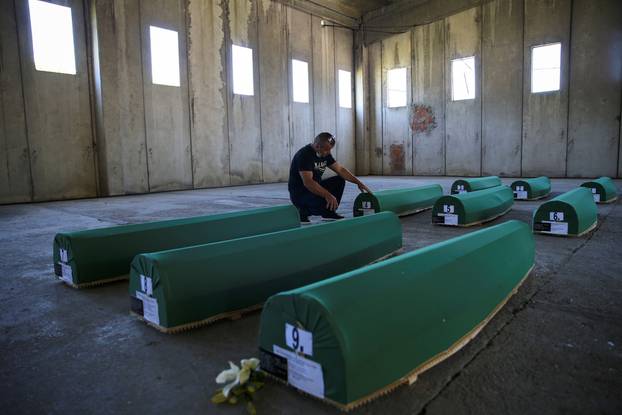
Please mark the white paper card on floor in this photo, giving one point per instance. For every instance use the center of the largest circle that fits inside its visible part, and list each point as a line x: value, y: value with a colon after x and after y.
x: 298, y: 339
x: 303, y: 374
x: 150, y: 308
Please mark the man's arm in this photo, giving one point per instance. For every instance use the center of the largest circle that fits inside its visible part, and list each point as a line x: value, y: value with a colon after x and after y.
x: 347, y: 175
x: 314, y: 187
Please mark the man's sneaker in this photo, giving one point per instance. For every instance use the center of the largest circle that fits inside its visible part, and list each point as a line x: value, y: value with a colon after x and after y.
x: 331, y: 216
x: 304, y: 216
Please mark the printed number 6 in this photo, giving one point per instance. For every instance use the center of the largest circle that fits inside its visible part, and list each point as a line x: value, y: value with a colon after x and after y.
x: 295, y: 338
x: 555, y: 218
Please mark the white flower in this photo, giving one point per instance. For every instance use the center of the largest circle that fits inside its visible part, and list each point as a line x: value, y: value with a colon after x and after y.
x: 235, y: 375
x: 230, y: 375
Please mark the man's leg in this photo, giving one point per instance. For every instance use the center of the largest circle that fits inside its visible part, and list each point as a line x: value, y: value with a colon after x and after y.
x: 309, y: 204
x: 335, y: 186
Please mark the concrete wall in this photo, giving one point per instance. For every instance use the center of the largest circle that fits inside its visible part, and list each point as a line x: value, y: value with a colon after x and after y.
x: 109, y: 130
x: 506, y: 130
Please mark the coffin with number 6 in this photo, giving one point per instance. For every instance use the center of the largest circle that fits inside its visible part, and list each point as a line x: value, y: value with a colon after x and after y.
x: 399, y: 201
x: 97, y: 256
x: 531, y: 189
x: 572, y: 213
x: 354, y: 337
x: 184, y: 288
x: 472, y: 208
x: 603, y: 190
x: 474, y: 184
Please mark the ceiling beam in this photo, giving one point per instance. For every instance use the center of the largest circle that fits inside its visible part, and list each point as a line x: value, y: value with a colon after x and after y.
x: 342, y: 15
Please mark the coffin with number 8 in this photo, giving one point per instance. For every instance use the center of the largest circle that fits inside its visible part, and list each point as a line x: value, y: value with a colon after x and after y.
x: 603, y: 189
x: 474, y: 184
x: 472, y: 208
x: 183, y: 288
x: 572, y: 213
x: 399, y: 201
x: 531, y: 189
x: 356, y: 336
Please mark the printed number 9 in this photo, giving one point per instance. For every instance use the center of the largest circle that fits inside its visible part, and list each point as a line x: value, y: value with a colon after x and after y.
x: 295, y: 338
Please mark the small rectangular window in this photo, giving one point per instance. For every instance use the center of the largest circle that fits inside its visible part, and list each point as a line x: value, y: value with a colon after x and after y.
x: 463, y: 79
x: 546, y: 67
x: 396, y: 88
x: 164, y: 56
x: 52, y: 37
x: 300, y: 81
x: 242, y: 64
x: 345, y: 89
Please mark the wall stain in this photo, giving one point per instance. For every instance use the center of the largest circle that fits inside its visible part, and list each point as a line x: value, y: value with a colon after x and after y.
x: 397, y: 158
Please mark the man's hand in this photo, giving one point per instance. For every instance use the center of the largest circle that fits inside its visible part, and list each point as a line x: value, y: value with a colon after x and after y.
x: 331, y: 202
x: 364, y: 188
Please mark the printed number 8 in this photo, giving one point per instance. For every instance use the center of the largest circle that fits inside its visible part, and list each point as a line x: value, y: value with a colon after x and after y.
x: 295, y: 338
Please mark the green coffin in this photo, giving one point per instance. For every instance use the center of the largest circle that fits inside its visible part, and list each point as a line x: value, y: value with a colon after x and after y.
x: 572, y: 213
x: 603, y: 190
x: 472, y: 185
x: 399, y: 201
x: 363, y: 333
x: 186, y: 287
x: 531, y: 189
x: 472, y: 208
x: 95, y: 256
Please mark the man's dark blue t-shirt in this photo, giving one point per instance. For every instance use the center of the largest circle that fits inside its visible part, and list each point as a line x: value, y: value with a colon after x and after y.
x: 306, y: 159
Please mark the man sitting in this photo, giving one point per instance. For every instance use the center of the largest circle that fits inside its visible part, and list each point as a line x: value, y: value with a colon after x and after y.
x: 307, y: 191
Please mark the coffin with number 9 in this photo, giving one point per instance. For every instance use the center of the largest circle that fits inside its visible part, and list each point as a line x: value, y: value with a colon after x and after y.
x: 356, y: 336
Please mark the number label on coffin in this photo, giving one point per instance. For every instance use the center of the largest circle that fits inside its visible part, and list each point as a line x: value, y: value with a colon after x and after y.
x: 63, y: 255
x: 150, y: 308
x: 299, y: 340
x: 366, y: 204
x: 556, y: 216
x: 146, y: 285
x: 303, y: 374
x: 595, y: 194
x: 520, y: 193
x: 367, y: 211
x: 65, y: 273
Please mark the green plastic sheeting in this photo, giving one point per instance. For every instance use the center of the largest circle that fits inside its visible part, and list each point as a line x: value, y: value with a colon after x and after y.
x: 531, y: 189
x: 399, y: 201
x: 603, y: 190
x: 185, y: 287
x: 360, y: 334
x: 572, y: 213
x: 472, y: 208
x: 472, y: 185
x: 95, y: 256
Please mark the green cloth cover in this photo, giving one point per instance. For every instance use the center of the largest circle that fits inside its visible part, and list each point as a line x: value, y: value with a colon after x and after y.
x: 530, y: 189
x: 106, y: 253
x: 472, y: 207
x: 372, y: 327
x: 603, y: 189
x: 474, y: 184
x: 571, y: 213
x: 200, y: 282
x: 398, y: 201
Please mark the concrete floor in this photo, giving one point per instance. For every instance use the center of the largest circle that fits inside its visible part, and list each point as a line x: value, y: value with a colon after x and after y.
x: 556, y: 347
